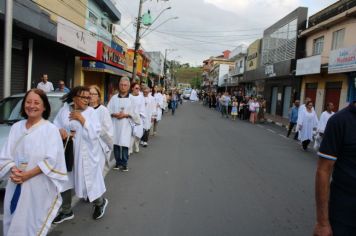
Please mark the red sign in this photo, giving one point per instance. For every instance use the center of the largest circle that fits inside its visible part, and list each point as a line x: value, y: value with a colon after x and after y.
x: 110, y: 56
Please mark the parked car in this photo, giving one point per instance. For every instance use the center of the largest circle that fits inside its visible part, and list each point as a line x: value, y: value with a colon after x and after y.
x: 10, y: 108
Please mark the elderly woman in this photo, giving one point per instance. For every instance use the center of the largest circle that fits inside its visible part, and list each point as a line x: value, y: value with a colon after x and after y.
x: 307, y: 124
x: 33, y: 159
x: 107, y: 132
x: 80, y: 121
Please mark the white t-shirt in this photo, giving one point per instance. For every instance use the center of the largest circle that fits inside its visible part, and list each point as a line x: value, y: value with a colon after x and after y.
x: 46, y: 87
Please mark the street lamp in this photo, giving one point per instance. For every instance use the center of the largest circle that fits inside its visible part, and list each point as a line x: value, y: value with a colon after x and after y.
x: 137, y: 39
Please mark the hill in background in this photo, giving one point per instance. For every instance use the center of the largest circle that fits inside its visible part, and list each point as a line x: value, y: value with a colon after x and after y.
x: 191, y: 75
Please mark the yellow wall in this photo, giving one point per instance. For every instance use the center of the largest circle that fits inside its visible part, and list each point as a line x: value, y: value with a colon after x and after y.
x: 74, y: 11
x: 350, y: 39
x: 322, y: 79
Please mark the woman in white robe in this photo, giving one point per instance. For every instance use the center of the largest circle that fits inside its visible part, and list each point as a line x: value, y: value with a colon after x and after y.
x: 159, y: 107
x: 81, y: 121
x: 139, y: 106
x: 149, y: 111
x: 307, y: 125
x: 193, y: 96
x: 107, y: 133
x: 33, y: 158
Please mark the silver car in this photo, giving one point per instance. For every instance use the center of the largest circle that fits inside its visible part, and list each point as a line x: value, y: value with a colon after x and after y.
x: 10, y: 108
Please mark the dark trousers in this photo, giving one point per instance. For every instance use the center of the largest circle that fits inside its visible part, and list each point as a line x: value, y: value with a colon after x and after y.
x: 121, y: 155
x: 145, y: 136
x: 305, y: 144
x: 340, y: 229
x: 290, y: 128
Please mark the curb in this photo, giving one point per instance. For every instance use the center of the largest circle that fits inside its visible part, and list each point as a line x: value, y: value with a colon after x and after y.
x: 277, y: 123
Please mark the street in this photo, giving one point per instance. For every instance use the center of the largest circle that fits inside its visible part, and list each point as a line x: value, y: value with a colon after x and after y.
x: 205, y: 175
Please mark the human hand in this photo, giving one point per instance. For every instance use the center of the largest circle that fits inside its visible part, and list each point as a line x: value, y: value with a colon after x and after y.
x: 322, y: 230
x: 18, y: 176
x: 63, y: 133
x: 76, y: 115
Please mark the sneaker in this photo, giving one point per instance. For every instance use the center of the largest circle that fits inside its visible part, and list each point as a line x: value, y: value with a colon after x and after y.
x: 141, y: 142
x: 124, y: 169
x: 116, y: 167
x: 145, y: 144
x: 63, y: 217
x: 99, y: 211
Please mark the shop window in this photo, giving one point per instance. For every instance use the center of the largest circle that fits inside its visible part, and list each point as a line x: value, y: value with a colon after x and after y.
x: 93, y: 18
x: 318, y: 46
x: 338, y: 39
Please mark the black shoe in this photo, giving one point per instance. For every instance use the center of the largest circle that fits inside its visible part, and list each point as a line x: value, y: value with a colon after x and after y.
x: 63, y: 217
x: 99, y: 211
x: 117, y: 167
x: 124, y: 169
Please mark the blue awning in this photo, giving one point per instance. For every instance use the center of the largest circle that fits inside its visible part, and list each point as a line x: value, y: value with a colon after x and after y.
x: 98, y: 66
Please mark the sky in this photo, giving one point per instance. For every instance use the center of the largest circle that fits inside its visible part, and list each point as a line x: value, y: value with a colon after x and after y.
x: 205, y: 28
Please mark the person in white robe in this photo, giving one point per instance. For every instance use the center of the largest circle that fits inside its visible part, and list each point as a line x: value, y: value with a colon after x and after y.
x: 301, y: 111
x: 139, y: 104
x: 307, y: 125
x: 80, y: 121
x: 159, y: 108
x: 324, y: 117
x: 32, y: 160
x: 193, y: 96
x: 150, y: 108
x: 122, y: 111
x: 107, y: 131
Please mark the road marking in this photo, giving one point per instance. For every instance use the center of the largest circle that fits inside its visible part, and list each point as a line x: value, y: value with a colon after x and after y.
x: 283, y: 136
x: 272, y: 131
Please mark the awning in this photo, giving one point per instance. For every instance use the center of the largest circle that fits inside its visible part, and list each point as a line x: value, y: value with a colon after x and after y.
x: 98, y: 66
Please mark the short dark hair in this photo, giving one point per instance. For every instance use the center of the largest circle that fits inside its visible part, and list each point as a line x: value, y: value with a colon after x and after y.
x: 68, y: 98
x: 308, y: 103
x: 46, y: 113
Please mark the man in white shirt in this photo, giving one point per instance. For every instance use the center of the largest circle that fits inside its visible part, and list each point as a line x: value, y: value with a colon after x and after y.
x: 45, y: 85
x: 325, y: 116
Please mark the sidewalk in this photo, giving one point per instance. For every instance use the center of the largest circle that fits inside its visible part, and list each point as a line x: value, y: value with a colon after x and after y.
x: 278, y: 120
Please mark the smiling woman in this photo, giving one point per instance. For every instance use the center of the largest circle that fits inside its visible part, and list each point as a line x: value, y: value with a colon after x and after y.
x: 33, y: 160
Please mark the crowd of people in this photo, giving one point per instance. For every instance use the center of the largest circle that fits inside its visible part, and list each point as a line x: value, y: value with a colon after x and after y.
x: 47, y: 162
x: 236, y: 105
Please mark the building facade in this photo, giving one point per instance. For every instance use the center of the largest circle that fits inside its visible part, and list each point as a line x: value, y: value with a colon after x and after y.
x: 328, y: 70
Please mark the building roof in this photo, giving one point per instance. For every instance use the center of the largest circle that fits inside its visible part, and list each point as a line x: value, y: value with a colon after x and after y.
x: 110, y: 8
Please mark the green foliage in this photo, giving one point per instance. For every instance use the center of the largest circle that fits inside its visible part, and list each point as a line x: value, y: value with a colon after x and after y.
x: 191, y: 75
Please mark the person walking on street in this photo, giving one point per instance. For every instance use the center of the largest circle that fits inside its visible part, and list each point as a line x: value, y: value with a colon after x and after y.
x: 307, y: 125
x: 149, y: 110
x: 293, y: 118
x: 122, y: 111
x: 324, y: 117
x: 107, y: 131
x: 78, y: 121
x: 139, y: 106
x: 335, y: 179
x: 234, y: 109
x: 173, y: 101
x: 156, y: 93
x: 45, y: 85
x: 32, y: 160
x: 254, y: 108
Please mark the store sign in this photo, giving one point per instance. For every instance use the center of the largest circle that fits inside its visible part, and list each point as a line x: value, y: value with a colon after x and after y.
x: 342, y: 60
x: 309, y: 65
x: 253, y: 55
x: 269, y: 71
x: 110, y: 56
x: 75, y: 37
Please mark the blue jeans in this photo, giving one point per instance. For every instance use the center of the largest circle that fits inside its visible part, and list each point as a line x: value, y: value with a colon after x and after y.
x: 173, y: 106
x: 121, y: 155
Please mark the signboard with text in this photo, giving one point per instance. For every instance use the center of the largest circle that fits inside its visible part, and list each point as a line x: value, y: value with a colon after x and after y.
x: 342, y: 60
x: 110, y: 56
x: 75, y: 37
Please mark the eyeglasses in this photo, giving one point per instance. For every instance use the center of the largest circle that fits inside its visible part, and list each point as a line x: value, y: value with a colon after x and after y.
x: 136, y: 88
x: 83, y: 97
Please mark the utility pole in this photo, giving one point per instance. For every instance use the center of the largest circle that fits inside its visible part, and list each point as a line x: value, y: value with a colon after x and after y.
x: 8, y: 48
x: 137, y: 41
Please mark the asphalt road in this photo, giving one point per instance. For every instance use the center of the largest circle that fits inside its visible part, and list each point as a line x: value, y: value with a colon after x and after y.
x: 210, y: 176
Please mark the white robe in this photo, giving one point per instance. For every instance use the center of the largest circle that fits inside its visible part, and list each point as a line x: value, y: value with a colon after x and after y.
x: 193, y: 96
x: 122, y: 127
x: 325, y: 116
x: 86, y: 177
x: 139, y: 104
x: 159, y: 105
x: 149, y: 111
x: 106, y: 134
x: 308, y: 123
x: 40, y: 198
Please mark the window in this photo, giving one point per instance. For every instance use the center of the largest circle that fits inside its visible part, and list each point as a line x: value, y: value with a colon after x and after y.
x: 92, y: 18
x: 338, y: 39
x: 318, y: 46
